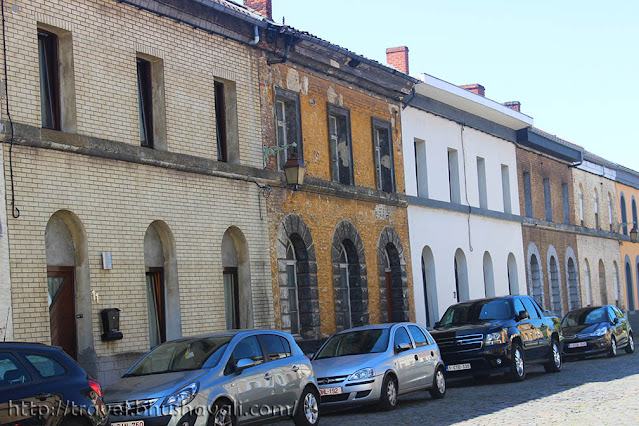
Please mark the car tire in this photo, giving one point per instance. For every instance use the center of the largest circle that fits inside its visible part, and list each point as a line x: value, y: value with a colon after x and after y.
x: 307, y: 412
x: 388, y: 398
x: 222, y: 415
x: 554, y: 363
x: 517, y: 364
x: 438, y: 391
x: 630, y: 346
x: 612, y: 351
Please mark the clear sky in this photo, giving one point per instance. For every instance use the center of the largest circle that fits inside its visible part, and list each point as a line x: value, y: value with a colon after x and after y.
x: 573, y: 65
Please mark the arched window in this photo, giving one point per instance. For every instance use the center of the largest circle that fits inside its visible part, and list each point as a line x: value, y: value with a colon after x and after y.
x: 536, y: 284
x: 430, y: 287
x: 555, y: 287
x: 603, y: 293
x: 624, y: 215
x: 461, y: 277
x: 345, y: 287
x: 513, y: 276
x: 630, y: 304
x: 293, y: 292
x: 573, y: 286
x: 489, y: 276
x: 634, y: 212
x: 596, y: 210
x: 587, y: 283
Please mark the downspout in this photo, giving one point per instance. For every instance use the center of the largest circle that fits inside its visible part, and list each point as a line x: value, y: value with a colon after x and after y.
x: 256, y: 37
x: 283, y: 59
x: 581, y: 160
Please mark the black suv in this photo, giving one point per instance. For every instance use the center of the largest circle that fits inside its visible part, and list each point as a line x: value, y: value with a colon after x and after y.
x: 505, y: 334
x: 42, y: 385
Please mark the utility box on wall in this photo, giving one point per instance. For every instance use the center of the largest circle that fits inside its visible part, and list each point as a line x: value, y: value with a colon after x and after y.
x: 111, y: 324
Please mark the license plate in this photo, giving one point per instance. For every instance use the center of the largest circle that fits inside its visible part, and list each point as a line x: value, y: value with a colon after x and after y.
x: 458, y: 367
x: 331, y: 391
x: 134, y: 423
x: 577, y: 345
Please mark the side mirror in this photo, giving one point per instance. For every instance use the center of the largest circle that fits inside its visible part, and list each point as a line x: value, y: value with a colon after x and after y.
x: 615, y: 321
x: 522, y: 316
x: 243, y: 364
x: 402, y: 347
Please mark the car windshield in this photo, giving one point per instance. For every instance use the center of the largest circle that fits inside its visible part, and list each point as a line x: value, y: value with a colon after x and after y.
x: 585, y: 317
x: 355, y: 343
x: 182, y: 355
x: 472, y: 312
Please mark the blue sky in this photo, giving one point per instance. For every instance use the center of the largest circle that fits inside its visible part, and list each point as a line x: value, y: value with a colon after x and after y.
x: 573, y: 65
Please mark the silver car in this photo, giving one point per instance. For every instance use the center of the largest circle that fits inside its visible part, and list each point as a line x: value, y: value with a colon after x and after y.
x: 217, y: 379
x: 377, y: 363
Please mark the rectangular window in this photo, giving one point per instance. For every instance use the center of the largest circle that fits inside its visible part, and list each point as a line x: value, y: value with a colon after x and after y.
x: 421, y: 170
x: 220, y: 122
x: 505, y: 188
x: 384, y: 160
x: 339, y: 132
x: 49, y: 79
x: 481, y: 182
x: 527, y: 195
x: 227, y: 138
x: 566, y: 203
x: 145, y: 102
x: 610, y: 212
x: 453, y: 176
x: 151, y: 106
x: 231, y: 298
x: 288, y: 126
x: 547, y: 200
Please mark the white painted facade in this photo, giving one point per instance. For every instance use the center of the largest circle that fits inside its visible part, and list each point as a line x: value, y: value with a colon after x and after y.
x: 490, y: 238
x: 6, y: 322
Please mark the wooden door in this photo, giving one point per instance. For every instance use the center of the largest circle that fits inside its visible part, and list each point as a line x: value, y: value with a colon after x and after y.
x: 61, y: 284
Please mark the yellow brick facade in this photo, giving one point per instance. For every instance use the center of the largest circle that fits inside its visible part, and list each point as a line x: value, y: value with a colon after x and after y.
x: 629, y: 262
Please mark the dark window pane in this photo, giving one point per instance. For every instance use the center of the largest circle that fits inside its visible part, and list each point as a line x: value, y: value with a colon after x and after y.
x: 274, y: 346
x: 145, y: 103
x: 384, y: 158
x: 401, y: 337
x: 12, y: 373
x: 249, y: 348
x: 49, y: 80
x: 530, y: 307
x: 220, y: 122
x: 46, y: 366
x: 418, y: 336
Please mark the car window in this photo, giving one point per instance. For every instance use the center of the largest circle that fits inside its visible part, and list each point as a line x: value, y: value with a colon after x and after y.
x: 518, y: 305
x: 275, y: 346
x: 532, y: 310
x: 611, y: 314
x: 249, y: 348
x: 46, y: 366
x: 12, y: 373
x: 418, y: 336
x: 401, y: 337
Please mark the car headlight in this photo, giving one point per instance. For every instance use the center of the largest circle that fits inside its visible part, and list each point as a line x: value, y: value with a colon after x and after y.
x: 364, y: 373
x: 495, y: 338
x: 600, y: 331
x: 182, y: 397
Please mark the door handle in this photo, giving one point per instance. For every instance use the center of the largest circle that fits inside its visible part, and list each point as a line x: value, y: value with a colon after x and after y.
x: 295, y: 368
x: 268, y: 376
x: 432, y: 353
x: 416, y: 358
x: 42, y: 396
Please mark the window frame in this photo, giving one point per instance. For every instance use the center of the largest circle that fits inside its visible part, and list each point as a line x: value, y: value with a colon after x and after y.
x: 144, y: 75
x: 288, y: 96
x: 417, y: 345
x: 410, y: 339
x: 378, y: 123
x: 336, y: 111
x: 52, y: 46
x: 221, y: 132
x: 282, y: 340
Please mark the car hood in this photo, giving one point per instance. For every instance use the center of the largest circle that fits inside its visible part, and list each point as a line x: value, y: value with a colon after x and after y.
x: 473, y: 328
x: 150, y: 386
x: 579, y: 329
x: 344, y: 365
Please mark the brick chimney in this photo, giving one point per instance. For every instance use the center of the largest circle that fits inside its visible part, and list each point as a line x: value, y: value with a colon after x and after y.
x: 397, y: 57
x: 477, y: 89
x: 263, y: 7
x: 516, y: 105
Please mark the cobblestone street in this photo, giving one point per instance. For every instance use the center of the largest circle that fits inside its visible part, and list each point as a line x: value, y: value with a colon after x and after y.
x: 593, y: 391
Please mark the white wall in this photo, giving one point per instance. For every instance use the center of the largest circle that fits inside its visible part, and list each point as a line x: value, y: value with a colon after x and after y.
x: 6, y: 323
x: 444, y: 231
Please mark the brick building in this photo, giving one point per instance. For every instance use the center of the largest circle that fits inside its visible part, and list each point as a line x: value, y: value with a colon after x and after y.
x: 627, y: 189
x: 137, y: 151
x: 339, y: 243
x: 6, y: 319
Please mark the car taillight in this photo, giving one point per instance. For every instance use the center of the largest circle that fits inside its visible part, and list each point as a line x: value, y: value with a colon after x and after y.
x: 96, y: 387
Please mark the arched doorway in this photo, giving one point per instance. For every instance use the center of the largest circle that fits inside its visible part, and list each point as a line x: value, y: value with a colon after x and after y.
x: 489, y: 276
x: 603, y: 293
x: 462, y: 290
x: 629, y: 287
x: 237, y: 280
x: 513, y: 276
x: 163, y: 298
x: 297, y: 271
x: 430, y: 287
x: 393, y: 276
x: 350, y: 286
x: 535, y: 275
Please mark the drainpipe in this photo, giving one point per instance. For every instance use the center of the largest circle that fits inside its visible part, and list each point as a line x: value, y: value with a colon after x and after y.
x: 256, y: 37
x: 283, y: 59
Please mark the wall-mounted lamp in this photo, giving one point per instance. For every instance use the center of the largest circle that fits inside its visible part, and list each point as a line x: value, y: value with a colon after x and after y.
x: 295, y: 170
x: 633, y: 234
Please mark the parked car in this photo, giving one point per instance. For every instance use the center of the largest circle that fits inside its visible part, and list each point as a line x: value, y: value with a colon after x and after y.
x: 596, y: 330
x: 498, y: 335
x: 42, y: 385
x: 377, y: 363
x: 224, y: 378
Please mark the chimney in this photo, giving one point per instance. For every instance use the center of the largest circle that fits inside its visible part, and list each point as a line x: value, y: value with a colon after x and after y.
x: 477, y: 89
x: 516, y: 105
x: 263, y: 7
x: 397, y: 57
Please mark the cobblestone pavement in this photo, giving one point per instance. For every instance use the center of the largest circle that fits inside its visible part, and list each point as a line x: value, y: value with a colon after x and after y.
x: 593, y: 391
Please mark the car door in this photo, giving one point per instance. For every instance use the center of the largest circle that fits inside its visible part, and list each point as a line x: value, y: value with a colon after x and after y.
x: 405, y: 360
x: 623, y: 322
x: 425, y: 351
x: 542, y: 331
x: 253, y: 386
x: 528, y: 331
x: 618, y: 327
x: 286, y: 376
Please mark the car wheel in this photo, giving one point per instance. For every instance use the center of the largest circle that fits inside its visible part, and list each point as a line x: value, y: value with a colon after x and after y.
x: 438, y: 390
x: 222, y: 415
x: 517, y: 364
x: 388, y: 399
x: 612, y: 351
x: 307, y: 413
x: 630, y: 347
x: 554, y: 363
